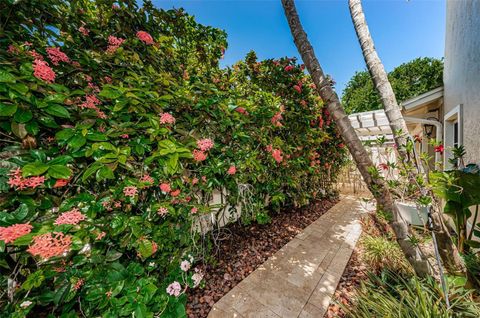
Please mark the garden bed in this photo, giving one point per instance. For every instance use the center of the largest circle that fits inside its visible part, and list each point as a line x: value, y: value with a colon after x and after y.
x: 354, y: 273
x: 244, y: 248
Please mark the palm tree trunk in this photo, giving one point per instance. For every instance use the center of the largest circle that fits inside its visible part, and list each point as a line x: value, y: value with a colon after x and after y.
x: 364, y: 164
x: 448, y: 251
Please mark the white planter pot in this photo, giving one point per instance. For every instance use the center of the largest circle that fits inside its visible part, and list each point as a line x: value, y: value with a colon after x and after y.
x: 411, y: 214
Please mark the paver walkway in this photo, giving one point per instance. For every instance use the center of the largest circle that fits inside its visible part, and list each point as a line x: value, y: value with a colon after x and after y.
x: 301, y: 278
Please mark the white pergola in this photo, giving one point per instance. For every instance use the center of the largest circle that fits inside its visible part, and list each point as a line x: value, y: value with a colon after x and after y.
x: 371, y: 125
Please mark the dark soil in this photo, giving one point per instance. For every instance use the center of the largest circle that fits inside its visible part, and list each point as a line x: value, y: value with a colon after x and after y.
x: 244, y: 248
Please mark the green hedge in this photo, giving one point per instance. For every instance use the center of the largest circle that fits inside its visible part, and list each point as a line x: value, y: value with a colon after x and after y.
x: 116, y: 125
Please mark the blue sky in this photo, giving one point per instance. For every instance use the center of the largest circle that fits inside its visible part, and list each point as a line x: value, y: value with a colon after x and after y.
x: 402, y: 30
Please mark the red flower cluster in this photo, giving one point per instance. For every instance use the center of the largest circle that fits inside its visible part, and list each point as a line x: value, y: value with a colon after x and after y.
x: 232, y: 170
x: 241, y: 110
x: 61, y: 183
x: 48, y: 245
x: 205, y: 144
x: 130, y: 191
x: 165, y: 187
x: 83, y: 30
x: 276, y: 119
x: 42, y: 71
x: 145, y: 37
x: 114, y: 43
x: 16, y: 180
x: 288, y: 68
x: 57, y: 56
x: 439, y: 149
x: 92, y: 102
x: 276, y: 153
x: 72, y: 217
x: 199, y: 155
x: 166, y: 118
x: 11, y: 233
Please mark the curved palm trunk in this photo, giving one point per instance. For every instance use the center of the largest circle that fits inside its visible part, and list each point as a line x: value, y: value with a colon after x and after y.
x: 448, y: 251
x: 376, y: 186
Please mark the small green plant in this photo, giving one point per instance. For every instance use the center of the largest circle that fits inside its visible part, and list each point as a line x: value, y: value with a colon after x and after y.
x: 390, y: 295
x: 380, y: 253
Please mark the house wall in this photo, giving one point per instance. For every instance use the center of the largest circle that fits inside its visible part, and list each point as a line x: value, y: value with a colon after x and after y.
x: 462, y: 70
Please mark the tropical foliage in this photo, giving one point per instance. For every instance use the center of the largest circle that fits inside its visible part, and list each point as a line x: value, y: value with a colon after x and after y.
x: 117, y: 125
x: 408, y: 80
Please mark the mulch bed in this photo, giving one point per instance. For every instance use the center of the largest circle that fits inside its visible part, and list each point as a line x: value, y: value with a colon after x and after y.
x: 353, y: 274
x: 245, y: 248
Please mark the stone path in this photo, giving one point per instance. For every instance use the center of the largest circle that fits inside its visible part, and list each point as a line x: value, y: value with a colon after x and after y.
x: 301, y: 278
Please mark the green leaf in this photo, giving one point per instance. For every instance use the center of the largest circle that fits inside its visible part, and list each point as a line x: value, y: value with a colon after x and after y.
x: 6, y: 77
x: 104, y: 173
x: 61, y: 160
x: 20, y: 87
x: 64, y: 134
x: 23, y: 115
x: 145, y: 248
x: 33, y: 280
x: 109, y: 92
x: 32, y: 127
x: 59, y: 172
x: 94, y: 136
x: 57, y: 111
x: 91, y: 170
x: 34, y: 169
x: 77, y: 141
x: 7, y: 109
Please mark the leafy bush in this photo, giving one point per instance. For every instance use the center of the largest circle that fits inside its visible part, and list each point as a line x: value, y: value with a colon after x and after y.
x: 392, y: 296
x: 380, y: 253
x: 116, y: 127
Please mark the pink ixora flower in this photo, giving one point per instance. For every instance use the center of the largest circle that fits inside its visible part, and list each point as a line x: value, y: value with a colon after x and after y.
x: 83, y: 30
x: 114, y: 43
x: 175, y: 193
x: 205, y: 144
x: 145, y: 37
x: 124, y: 136
x: 174, y: 289
x: 277, y: 155
x: 147, y: 179
x: 130, y: 191
x: 61, y: 183
x: 232, y: 170
x: 276, y: 119
x: 298, y: 88
x: 73, y: 217
x: 154, y: 247
x: 241, y: 110
x: 288, y: 68
x: 165, y: 187
x: 194, y: 210
x: 199, y: 155
x: 17, y: 181
x: 57, y: 56
x: 78, y: 284
x: 185, y: 265
x: 162, y: 211
x: 50, y: 244
x: 194, y: 181
x: 42, y: 71
x: 11, y: 233
x: 100, y: 235
x: 166, y: 118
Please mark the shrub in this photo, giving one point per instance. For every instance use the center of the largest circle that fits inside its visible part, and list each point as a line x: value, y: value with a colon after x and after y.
x: 380, y: 253
x: 395, y: 297
x: 116, y: 127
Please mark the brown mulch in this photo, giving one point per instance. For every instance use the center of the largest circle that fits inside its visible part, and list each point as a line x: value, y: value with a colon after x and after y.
x: 356, y: 269
x: 354, y: 273
x: 244, y: 248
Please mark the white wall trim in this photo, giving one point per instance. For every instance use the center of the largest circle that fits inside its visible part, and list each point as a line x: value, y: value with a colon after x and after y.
x: 454, y: 115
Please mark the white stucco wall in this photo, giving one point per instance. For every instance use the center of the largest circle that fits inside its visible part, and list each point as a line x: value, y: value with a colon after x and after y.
x: 462, y: 70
